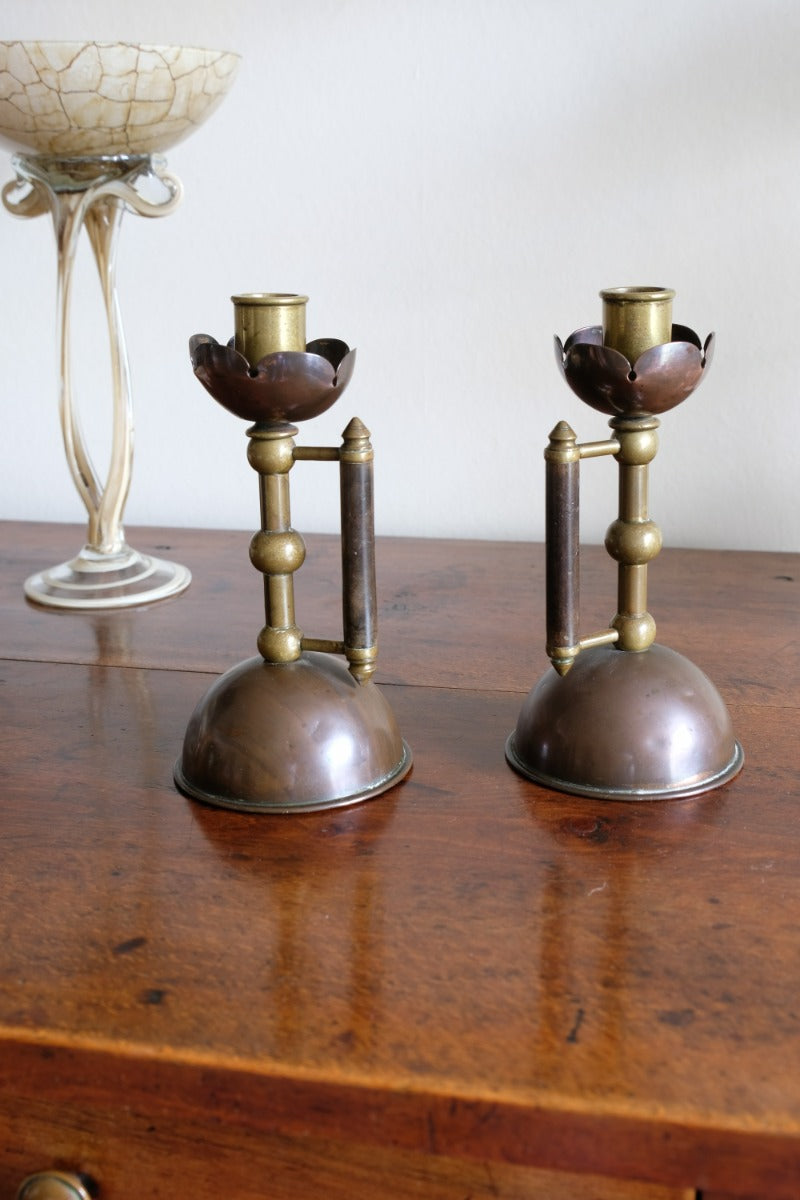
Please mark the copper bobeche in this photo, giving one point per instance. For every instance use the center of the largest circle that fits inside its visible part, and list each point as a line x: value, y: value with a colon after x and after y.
x: 659, y: 380
x: 289, y: 385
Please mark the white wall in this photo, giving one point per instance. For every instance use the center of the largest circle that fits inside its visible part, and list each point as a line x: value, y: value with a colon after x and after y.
x: 451, y: 181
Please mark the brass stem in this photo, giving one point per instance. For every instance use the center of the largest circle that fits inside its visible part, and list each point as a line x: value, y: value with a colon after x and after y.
x: 633, y: 539
x: 633, y: 492
x: 276, y: 514
x: 277, y: 550
x: 279, y: 601
x: 632, y: 588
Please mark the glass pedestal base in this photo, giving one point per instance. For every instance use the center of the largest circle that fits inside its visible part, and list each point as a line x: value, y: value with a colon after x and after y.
x: 120, y: 580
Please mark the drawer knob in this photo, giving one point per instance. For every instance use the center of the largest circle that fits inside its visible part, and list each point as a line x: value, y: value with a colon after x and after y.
x: 53, y: 1185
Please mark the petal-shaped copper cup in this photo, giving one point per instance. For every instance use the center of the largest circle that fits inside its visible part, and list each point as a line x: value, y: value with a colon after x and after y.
x: 291, y: 385
x: 659, y: 380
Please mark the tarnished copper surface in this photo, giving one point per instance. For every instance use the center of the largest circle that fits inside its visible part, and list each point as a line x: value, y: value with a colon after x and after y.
x: 470, y: 970
x: 660, y: 379
x: 294, y: 737
x: 293, y: 730
x: 285, y: 386
x: 621, y: 717
x: 626, y: 726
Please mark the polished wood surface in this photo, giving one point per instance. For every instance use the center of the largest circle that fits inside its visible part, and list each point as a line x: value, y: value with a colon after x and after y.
x: 469, y: 986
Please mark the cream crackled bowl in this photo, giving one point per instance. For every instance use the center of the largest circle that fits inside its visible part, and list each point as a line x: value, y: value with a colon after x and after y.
x: 74, y: 99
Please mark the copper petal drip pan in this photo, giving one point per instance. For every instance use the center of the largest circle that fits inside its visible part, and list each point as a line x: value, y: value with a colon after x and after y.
x: 288, y: 385
x: 660, y: 379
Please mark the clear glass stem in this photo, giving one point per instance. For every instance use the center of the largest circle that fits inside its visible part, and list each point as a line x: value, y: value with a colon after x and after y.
x: 104, y: 503
x: 105, y: 523
x: 92, y: 194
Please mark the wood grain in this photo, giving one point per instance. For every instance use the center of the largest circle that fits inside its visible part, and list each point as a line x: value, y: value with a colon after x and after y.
x: 454, y: 987
x: 140, y: 1156
x: 451, y: 613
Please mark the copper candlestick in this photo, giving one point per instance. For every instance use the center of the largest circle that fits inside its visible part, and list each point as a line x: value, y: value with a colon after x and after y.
x: 621, y: 716
x: 293, y: 730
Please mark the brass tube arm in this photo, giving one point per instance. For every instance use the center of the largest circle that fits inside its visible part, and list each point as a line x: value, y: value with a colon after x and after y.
x: 316, y: 453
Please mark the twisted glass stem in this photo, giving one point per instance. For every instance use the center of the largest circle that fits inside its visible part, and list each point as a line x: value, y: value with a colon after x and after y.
x: 92, y: 193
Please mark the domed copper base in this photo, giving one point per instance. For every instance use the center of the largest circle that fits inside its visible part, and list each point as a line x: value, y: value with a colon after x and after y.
x: 291, y: 737
x: 626, y: 726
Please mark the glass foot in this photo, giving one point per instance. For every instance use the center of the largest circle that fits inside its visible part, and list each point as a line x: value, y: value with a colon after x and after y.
x: 120, y: 580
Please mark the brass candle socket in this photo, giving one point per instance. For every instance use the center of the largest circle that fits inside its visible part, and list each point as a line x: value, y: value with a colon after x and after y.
x: 621, y: 716
x: 293, y: 730
x: 636, y: 318
x: 268, y: 323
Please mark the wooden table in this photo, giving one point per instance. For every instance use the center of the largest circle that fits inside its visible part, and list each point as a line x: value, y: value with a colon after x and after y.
x: 468, y: 987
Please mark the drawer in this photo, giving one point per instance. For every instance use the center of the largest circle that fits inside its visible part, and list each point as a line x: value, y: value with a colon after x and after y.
x: 130, y: 1159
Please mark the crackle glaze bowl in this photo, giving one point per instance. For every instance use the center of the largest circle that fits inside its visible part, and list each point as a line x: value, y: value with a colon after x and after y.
x: 74, y: 99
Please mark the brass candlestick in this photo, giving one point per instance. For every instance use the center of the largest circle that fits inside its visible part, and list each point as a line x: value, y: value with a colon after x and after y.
x: 293, y: 730
x: 621, y: 716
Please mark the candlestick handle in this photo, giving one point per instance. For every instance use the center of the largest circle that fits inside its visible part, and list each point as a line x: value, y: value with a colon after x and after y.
x: 278, y: 550
x: 562, y: 557
x: 359, y: 593
x: 562, y: 551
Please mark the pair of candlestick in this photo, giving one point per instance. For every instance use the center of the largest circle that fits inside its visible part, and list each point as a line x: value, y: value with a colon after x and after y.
x: 620, y: 717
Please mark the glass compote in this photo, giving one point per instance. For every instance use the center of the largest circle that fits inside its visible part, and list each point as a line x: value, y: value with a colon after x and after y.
x: 87, y: 121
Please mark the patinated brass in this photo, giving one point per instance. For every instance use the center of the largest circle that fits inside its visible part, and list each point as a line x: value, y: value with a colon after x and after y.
x: 621, y: 716
x: 294, y: 730
x: 633, y: 539
x: 276, y: 550
x: 268, y: 323
x: 563, y: 455
x: 664, y: 374
x: 636, y: 318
